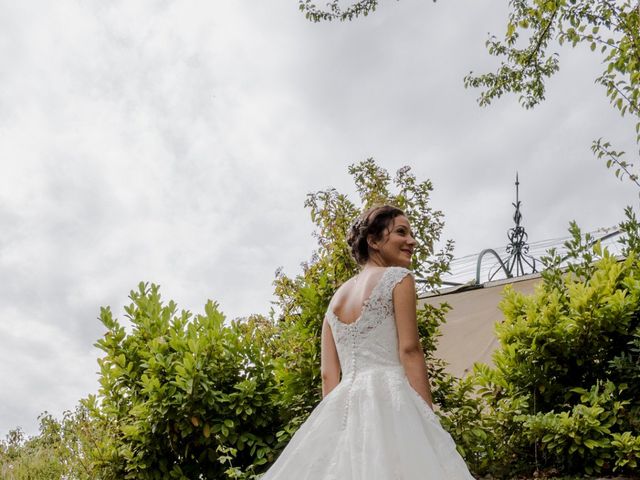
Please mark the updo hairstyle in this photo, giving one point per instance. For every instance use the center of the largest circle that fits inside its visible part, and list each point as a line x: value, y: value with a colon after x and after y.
x: 374, y: 222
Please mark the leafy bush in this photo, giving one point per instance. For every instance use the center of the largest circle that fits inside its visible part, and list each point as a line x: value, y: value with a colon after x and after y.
x: 563, y: 394
x: 185, y: 397
x: 581, y: 438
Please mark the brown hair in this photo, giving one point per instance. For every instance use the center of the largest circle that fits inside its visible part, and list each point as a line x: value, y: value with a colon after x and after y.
x: 373, y: 221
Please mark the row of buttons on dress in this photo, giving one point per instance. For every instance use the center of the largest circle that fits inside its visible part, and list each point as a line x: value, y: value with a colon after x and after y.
x: 352, y: 333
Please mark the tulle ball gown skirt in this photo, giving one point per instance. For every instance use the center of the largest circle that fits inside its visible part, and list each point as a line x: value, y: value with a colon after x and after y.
x: 375, y: 427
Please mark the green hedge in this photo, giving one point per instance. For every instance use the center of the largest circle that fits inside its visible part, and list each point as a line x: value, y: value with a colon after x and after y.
x: 563, y: 395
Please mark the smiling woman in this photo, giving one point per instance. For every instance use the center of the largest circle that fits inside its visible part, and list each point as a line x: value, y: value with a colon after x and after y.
x: 376, y: 419
x: 380, y: 232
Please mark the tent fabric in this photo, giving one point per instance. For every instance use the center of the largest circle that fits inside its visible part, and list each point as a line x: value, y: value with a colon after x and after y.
x: 468, y: 336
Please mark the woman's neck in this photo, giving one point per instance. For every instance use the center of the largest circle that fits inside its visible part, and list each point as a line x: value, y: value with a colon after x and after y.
x: 374, y: 262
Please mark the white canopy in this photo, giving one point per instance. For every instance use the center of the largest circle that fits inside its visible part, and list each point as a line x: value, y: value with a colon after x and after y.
x: 468, y: 336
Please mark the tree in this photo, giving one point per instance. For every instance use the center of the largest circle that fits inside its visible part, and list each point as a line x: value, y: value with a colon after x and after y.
x: 610, y: 28
x: 59, y: 451
x: 41, y: 456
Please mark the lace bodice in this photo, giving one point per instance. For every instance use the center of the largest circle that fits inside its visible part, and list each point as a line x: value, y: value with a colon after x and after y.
x: 372, y: 340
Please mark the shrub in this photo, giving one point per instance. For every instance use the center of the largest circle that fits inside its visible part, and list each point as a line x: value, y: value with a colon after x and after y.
x: 563, y: 394
x: 185, y: 397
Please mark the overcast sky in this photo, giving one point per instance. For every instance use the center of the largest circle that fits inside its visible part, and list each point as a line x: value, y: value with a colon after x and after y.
x: 175, y: 141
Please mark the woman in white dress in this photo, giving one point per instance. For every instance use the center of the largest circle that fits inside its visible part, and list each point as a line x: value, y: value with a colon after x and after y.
x: 375, y: 421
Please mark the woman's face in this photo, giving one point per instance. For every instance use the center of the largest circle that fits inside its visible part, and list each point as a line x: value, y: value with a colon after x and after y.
x: 396, y: 246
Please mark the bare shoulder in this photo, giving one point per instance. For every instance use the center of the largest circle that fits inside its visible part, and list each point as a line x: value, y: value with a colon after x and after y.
x: 345, y: 287
x: 342, y: 291
x: 358, y: 287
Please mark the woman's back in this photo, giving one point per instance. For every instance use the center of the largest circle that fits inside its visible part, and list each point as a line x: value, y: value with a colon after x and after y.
x: 367, y: 340
x: 349, y: 299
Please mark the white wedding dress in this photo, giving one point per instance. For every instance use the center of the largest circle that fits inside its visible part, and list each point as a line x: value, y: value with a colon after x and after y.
x: 373, y: 425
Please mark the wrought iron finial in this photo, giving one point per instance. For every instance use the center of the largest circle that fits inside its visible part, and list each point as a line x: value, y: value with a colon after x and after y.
x: 518, y: 249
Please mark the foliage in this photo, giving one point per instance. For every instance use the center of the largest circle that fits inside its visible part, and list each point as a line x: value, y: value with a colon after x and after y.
x: 59, y: 451
x: 566, y: 337
x: 40, y: 457
x: 481, y: 417
x: 581, y: 438
x: 610, y: 29
x: 335, y: 12
x: 333, y: 213
x: 461, y: 414
x: 630, y: 229
x: 198, y: 397
x: 185, y: 397
x: 563, y: 394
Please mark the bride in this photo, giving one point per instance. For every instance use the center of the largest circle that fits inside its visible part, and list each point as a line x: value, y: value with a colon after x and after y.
x: 375, y: 420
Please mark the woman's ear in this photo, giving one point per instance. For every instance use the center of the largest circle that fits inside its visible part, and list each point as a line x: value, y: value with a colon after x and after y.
x: 372, y: 242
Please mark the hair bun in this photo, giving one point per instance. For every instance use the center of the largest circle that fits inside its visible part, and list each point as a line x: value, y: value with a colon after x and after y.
x: 373, y: 221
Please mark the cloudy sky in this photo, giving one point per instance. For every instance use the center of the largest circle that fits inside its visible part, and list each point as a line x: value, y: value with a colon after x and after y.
x: 175, y: 142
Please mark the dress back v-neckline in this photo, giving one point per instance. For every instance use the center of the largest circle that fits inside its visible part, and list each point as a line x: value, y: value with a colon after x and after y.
x: 365, y: 304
